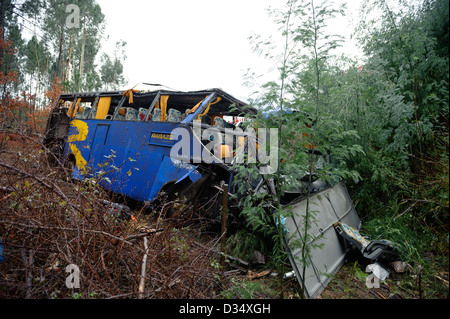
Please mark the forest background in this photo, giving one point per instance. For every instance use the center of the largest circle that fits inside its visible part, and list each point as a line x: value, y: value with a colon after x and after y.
x: 395, y: 104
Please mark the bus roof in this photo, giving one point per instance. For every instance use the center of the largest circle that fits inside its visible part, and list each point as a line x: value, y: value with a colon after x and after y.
x: 228, y: 105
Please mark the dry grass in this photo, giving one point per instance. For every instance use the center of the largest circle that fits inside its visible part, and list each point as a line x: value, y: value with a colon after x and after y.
x: 48, y: 221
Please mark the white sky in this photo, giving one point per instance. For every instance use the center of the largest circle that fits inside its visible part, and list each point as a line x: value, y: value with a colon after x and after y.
x: 196, y: 44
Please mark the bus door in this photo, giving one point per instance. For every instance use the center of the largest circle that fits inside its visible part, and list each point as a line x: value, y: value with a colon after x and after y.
x: 98, y: 142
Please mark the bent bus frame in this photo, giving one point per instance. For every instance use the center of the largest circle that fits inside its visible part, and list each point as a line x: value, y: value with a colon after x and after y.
x: 125, y: 138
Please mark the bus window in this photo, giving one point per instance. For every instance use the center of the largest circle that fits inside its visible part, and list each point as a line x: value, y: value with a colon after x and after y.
x: 84, y: 109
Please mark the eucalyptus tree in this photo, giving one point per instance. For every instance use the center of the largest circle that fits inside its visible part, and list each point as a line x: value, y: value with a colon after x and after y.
x: 111, y: 69
x: 73, y: 29
x: 11, y: 31
x: 294, y: 101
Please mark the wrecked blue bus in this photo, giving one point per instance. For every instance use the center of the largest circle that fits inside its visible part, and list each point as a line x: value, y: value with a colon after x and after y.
x: 125, y: 138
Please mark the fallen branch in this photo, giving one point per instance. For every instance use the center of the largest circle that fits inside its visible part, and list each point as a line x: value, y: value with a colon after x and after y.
x: 240, y: 261
x: 143, y: 270
x: 256, y: 275
x: 442, y: 279
x: 99, y: 232
x: 131, y: 237
x: 379, y: 294
x: 51, y: 187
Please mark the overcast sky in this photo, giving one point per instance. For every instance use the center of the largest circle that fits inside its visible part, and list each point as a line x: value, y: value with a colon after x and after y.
x: 196, y: 44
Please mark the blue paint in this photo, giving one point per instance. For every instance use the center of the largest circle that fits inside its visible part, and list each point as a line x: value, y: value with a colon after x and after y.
x: 170, y: 171
x: 2, y: 258
x: 132, y: 157
x: 193, y: 175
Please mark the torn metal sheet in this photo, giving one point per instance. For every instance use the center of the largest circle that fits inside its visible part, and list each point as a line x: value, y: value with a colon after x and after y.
x: 326, y: 249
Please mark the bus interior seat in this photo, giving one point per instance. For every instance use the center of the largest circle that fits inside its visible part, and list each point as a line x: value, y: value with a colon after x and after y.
x: 83, y: 113
x: 219, y: 122
x: 185, y: 114
x: 156, y: 116
x: 92, y: 113
x: 131, y: 115
x: 373, y: 250
x: 142, y: 113
x: 174, y: 116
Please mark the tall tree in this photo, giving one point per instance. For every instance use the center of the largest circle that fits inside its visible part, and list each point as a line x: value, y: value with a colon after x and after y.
x: 111, y: 69
x: 75, y: 27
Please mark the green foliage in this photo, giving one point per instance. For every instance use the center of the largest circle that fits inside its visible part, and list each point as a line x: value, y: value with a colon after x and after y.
x: 247, y: 289
x: 400, y: 231
x: 313, y: 142
x: 243, y: 243
x: 403, y: 97
x: 111, y: 70
x: 382, y: 125
x: 75, y: 48
x: 56, y: 48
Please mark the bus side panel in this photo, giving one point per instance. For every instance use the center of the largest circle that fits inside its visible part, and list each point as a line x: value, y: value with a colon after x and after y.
x: 170, y: 171
x: 127, y: 154
x: 130, y: 158
x: 132, y: 162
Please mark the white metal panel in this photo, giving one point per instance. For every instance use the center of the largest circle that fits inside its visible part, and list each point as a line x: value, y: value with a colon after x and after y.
x: 327, y: 249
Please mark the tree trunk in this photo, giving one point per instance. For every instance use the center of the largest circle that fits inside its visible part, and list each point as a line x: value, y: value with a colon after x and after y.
x: 80, y: 81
